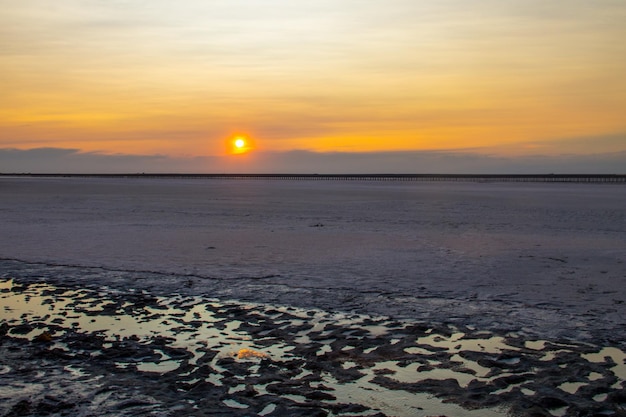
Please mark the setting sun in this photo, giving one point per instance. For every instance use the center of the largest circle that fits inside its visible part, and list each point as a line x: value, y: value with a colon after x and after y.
x: 239, y: 145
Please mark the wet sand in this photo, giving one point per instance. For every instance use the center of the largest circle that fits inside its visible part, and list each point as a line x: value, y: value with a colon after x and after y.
x: 537, y: 268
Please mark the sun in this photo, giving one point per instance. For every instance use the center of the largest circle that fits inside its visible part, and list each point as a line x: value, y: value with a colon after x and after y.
x: 239, y: 144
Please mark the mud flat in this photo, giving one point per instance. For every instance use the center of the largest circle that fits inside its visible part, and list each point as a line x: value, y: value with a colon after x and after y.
x: 345, y: 298
x: 546, y: 259
x: 68, y: 351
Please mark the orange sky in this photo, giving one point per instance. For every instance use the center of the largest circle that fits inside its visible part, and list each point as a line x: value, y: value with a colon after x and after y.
x: 180, y: 78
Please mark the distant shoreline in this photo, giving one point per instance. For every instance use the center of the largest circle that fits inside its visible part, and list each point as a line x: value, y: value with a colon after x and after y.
x: 570, y: 178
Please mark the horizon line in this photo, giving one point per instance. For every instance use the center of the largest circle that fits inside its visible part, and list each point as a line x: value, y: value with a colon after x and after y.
x: 550, y: 177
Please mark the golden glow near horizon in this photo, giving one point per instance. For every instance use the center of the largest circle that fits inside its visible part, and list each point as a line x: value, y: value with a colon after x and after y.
x: 173, y: 78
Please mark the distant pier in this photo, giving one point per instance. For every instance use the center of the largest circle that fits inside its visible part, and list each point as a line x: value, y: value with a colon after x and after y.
x: 570, y: 178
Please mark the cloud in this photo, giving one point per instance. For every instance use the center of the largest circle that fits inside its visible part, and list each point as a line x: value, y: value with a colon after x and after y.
x: 441, y: 162
x: 59, y: 160
x: 581, y: 144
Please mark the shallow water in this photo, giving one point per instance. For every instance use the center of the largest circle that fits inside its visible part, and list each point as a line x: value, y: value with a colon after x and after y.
x: 385, y: 365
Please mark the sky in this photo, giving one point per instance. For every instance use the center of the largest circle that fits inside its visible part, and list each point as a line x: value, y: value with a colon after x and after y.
x: 459, y: 86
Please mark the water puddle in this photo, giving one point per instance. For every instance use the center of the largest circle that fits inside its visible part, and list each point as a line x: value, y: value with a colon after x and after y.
x: 610, y: 355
